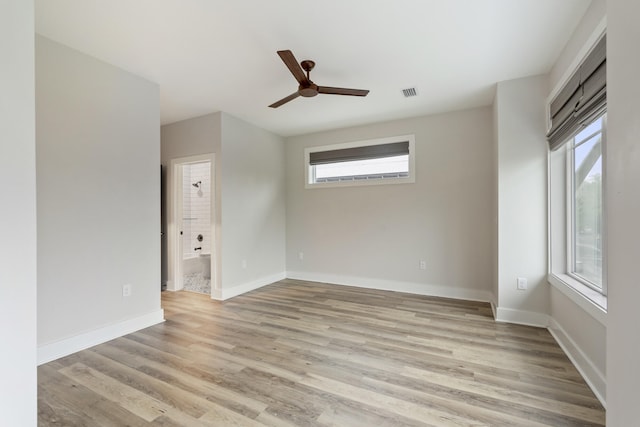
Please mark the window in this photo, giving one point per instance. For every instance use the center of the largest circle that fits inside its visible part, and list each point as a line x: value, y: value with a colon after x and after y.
x: 586, y: 212
x: 380, y: 161
x: 577, y: 143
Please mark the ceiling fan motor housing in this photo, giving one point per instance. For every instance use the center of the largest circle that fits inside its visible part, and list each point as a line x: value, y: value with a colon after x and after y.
x: 308, y: 91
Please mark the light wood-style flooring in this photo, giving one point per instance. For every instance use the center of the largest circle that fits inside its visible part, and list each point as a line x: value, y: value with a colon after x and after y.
x: 307, y: 354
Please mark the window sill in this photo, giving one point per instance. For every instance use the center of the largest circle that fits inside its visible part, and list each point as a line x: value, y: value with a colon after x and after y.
x: 358, y: 183
x: 593, y: 302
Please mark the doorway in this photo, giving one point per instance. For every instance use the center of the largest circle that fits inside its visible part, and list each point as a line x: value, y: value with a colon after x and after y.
x: 191, y: 234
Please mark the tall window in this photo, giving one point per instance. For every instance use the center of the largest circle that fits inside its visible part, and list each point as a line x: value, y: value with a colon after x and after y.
x: 586, y: 213
x: 577, y: 143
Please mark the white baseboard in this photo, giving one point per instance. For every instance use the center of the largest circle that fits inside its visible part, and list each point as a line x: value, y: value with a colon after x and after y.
x: 58, y: 349
x: 521, y: 317
x: 226, y: 293
x: 391, y: 285
x: 591, y: 374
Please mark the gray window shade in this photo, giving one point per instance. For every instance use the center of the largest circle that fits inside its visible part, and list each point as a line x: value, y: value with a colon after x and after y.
x: 582, y: 99
x: 359, y: 153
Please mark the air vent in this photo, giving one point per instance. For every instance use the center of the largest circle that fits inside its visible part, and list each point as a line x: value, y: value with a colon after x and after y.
x: 409, y: 92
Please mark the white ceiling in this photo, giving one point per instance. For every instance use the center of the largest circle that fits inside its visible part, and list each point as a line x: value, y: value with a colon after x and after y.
x: 220, y: 55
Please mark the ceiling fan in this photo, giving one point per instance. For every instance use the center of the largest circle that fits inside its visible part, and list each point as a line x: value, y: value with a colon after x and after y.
x: 306, y: 87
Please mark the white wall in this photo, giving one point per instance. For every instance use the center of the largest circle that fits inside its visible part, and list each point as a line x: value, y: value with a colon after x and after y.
x: 18, y: 216
x: 98, y: 150
x: 253, y: 207
x: 623, y: 211
x: 522, y: 200
x: 375, y: 236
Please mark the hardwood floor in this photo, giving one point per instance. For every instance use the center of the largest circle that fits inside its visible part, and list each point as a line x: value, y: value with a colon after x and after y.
x: 307, y: 354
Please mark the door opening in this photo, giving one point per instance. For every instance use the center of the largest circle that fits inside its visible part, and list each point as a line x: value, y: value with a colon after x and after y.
x: 192, y: 237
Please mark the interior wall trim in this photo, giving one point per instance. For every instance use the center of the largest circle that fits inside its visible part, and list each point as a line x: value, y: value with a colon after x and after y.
x: 521, y: 317
x: 58, y: 349
x: 226, y: 293
x: 397, y: 286
x: 594, y: 378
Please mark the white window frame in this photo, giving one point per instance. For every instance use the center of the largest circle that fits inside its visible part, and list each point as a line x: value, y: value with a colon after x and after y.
x: 589, y: 298
x: 570, y: 211
x: 411, y: 178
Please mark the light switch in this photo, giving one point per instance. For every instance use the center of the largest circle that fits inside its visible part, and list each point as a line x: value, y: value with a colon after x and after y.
x: 522, y: 283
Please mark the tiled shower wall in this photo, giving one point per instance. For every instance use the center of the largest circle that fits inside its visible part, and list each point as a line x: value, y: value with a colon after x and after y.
x: 196, y: 207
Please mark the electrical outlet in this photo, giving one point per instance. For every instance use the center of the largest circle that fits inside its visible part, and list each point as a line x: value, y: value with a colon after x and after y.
x: 423, y: 265
x: 126, y: 290
x: 522, y: 283
x: 300, y: 256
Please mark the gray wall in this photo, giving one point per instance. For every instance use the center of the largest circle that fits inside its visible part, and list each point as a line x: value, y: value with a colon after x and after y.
x: 376, y: 235
x: 622, y: 194
x: 253, y: 206
x: 98, y: 150
x: 573, y: 50
x: 522, y: 200
x: 495, y: 203
x: 199, y: 135
x: 17, y: 216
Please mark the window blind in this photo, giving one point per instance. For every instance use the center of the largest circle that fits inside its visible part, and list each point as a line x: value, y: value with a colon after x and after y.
x: 359, y: 153
x: 582, y: 99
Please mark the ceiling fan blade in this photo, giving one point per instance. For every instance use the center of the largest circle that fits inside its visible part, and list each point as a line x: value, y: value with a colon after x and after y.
x: 284, y: 100
x: 292, y: 64
x: 342, y: 91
